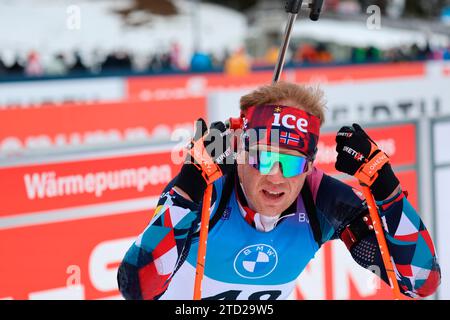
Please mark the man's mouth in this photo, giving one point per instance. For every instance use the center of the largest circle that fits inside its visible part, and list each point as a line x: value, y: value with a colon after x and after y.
x: 272, y: 195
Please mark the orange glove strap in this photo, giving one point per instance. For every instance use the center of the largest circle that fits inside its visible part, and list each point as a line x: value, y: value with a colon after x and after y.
x: 368, y: 172
x: 210, y: 170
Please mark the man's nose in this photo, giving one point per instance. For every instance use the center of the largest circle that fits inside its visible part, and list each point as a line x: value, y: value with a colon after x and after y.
x: 275, y: 175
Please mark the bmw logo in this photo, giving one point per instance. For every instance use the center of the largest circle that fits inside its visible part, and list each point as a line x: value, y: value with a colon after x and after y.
x: 256, y: 261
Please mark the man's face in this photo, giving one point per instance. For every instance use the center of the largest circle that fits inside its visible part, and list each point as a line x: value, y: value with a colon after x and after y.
x: 270, y: 194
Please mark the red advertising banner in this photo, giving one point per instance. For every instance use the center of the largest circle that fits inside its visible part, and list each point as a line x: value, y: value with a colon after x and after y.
x: 26, y: 189
x: 92, y: 124
x: 67, y: 260
x: 398, y: 141
x: 199, y: 85
x: 361, y: 73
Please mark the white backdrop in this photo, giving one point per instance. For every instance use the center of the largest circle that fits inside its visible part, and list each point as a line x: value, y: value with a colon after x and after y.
x: 441, y: 133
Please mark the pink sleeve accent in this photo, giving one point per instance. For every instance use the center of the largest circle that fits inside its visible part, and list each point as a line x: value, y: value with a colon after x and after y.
x: 314, y: 180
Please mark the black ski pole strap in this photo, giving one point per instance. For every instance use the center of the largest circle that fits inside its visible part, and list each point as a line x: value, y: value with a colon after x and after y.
x: 311, y: 210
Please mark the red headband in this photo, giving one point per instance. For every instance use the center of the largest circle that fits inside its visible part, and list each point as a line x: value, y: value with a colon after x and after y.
x: 298, y: 129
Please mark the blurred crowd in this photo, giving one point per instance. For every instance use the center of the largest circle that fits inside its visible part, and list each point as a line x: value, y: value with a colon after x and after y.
x: 237, y: 62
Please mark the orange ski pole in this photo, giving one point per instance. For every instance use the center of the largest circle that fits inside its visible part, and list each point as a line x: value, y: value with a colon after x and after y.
x: 379, y: 233
x: 200, y: 269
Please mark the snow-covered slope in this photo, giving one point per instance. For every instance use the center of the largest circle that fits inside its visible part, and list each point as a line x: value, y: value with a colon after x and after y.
x: 50, y: 26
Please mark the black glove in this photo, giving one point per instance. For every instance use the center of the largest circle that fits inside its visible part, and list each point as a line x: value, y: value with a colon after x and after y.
x: 218, y: 145
x: 355, y: 148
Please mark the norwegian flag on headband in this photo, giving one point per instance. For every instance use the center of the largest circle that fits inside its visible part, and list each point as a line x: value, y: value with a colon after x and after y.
x: 285, y: 126
x: 291, y: 139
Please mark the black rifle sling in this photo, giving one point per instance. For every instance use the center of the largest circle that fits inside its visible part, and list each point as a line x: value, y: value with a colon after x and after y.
x: 311, y: 210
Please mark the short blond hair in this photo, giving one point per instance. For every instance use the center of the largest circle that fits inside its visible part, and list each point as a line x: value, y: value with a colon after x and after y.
x: 310, y: 99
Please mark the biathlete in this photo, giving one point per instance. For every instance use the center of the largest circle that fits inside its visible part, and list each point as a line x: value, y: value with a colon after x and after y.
x: 272, y: 209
